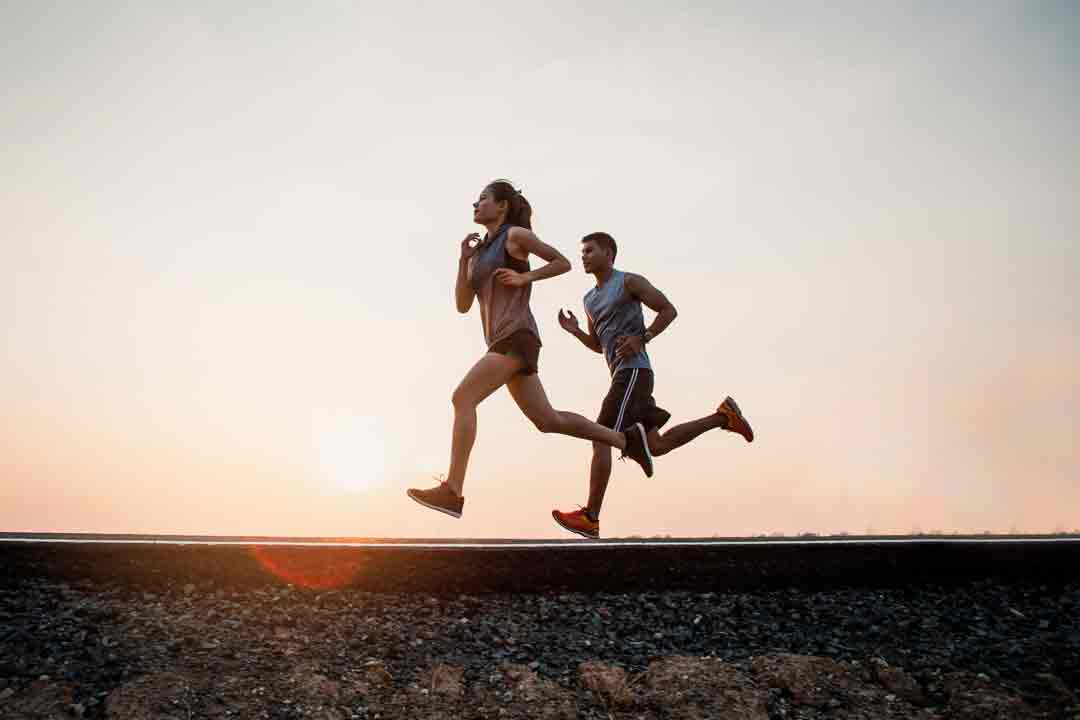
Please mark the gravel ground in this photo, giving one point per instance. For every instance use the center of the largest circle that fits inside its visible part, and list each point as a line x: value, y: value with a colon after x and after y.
x: 974, y: 650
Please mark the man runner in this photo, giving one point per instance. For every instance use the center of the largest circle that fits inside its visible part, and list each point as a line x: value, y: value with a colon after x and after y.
x: 617, y: 329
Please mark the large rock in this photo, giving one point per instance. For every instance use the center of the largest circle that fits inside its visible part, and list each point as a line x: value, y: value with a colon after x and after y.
x: 607, y: 681
x: 514, y: 692
x: 447, y: 680
x: 974, y: 698
x: 899, y: 683
x: 811, y: 681
x: 688, y: 687
x: 374, y: 677
x: 843, y: 691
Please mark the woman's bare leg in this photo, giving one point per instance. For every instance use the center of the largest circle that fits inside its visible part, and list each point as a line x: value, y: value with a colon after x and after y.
x: 485, y: 377
x: 529, y: 395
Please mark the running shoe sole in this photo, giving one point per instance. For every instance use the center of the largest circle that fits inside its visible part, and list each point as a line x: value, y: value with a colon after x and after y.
x: 440, y: 508
x: 645, y: 444
x: 582, y: 533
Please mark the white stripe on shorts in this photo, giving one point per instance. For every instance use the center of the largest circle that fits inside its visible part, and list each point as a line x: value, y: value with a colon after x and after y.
x: 625, y: 400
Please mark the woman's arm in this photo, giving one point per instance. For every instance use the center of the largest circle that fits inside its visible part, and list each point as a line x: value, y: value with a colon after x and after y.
x: 520, y: 244
x: 463, y: 292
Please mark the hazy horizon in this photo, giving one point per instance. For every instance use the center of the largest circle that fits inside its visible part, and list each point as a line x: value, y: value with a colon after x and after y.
x: 228, y: 238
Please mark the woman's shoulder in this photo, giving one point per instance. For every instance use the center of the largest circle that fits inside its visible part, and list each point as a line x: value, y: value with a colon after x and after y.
x: 520, y: 241
x: 516, y: 232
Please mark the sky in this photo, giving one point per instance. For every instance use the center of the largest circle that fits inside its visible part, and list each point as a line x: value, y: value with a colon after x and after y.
x: 229, y: 233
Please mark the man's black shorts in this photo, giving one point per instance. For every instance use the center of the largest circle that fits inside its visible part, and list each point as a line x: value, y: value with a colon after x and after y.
x: 630, y: 400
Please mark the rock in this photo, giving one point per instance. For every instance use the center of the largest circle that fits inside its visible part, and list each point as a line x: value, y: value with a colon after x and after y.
x: 447, y: 680
x: 694, y: 688
x: 973, y: 698
x: 163, y: 696
x: 607, y: 681
x: 899, y: 683
x: 376, y: 675
x: 101, y: 638
x: 811, y: 681
x: 522, y: 688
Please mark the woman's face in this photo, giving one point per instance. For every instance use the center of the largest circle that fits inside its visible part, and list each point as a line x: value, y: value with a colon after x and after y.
x: 486, y: 209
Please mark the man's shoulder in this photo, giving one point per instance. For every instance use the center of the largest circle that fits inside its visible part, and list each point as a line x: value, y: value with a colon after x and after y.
x: 634, y: 283
x: 629, y: 280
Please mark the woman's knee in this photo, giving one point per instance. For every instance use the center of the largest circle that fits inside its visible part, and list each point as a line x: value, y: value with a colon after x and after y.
x: 463, y: 399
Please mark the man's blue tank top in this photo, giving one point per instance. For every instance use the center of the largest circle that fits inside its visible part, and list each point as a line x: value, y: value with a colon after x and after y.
x: 615, y: 312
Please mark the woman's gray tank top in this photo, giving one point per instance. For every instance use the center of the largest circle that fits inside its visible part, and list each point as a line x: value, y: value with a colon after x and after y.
x: 503, y: 310
x: 616, y: 312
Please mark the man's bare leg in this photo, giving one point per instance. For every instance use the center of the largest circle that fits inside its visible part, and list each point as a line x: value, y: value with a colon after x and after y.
x: 599, y: 474
x: 727, y: 416
x: 662, y: 444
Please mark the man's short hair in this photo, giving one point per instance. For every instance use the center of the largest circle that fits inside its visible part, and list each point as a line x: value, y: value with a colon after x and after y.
x: 603, y: 240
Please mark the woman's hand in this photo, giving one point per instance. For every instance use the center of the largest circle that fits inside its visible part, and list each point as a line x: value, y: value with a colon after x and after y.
x: 469, y: 245
x: 510, y: 278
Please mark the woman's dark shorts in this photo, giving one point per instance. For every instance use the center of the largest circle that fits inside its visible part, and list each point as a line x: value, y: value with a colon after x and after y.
x: 630, y: 400
x: 523, y: 345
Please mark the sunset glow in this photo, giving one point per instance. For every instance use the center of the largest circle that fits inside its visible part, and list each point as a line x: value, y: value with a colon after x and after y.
x: 355, y: 453
x: 229, y: 236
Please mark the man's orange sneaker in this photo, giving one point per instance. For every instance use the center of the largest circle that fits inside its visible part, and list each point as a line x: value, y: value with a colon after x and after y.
x: 578, y: 522
x: 736, y: 423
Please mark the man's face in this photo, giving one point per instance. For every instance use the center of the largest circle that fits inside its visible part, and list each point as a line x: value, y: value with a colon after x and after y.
x: 594, y: 258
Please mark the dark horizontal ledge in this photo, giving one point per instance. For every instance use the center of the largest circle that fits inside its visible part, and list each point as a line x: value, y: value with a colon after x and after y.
x: 481, y: 566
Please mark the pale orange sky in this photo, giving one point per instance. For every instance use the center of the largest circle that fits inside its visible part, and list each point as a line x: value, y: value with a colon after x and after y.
x: 228, y: 240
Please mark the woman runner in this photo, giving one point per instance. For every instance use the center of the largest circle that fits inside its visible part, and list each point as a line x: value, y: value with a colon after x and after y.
x: 495, y: 270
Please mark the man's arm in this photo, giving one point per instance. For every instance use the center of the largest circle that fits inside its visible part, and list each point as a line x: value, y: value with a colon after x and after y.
x: 649, y: 296
x: 569, y: 323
